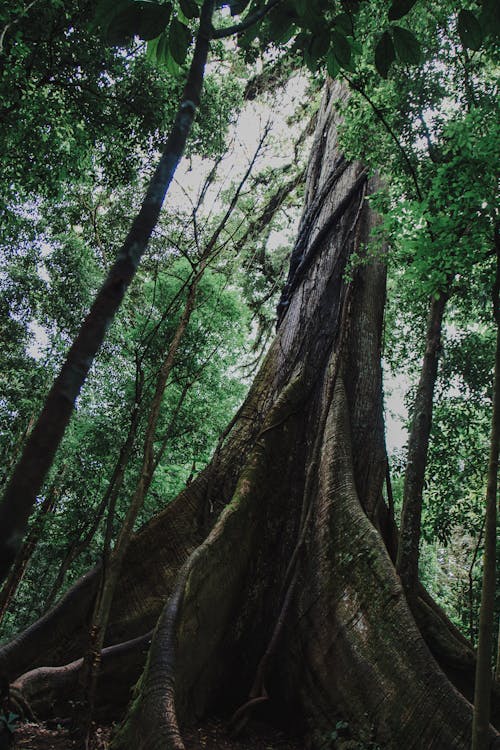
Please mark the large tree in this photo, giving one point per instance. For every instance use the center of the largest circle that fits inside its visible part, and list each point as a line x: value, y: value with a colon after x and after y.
x: 271, y: 576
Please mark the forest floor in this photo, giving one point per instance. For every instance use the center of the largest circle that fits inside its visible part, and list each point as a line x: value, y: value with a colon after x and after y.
x: 212, y: 735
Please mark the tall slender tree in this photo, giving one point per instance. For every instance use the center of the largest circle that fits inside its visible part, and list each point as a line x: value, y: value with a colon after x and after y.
x: 47, y: 433
x: 482, y: 692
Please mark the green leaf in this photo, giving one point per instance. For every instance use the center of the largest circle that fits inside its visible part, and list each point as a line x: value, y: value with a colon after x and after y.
x: 158, y: 50
x: 144, y: 18
x: 319, y: 45
x: 152, y: 18
x: 189, y: 8
x: 400, y: 8
x: 312, y: 19
x: 343, y: 23
x: 170, y: 63
x: 301, y: 6
x: 286, y: 32
x: 384, y: 54
x: 122, y: 25
x: 309, y: 57
x: 246, y: 39
x: 406, y: 45
x: 152, y: 48
x: 469, y: 30
x: 281, y: 25
x: 179, y: 40
x: 332, y: 64
x: 341, y: 48
x: 490, y: 17
x: 105, y: 12
x: 163, y: 49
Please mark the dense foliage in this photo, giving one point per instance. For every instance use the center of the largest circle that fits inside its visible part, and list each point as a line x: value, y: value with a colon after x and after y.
x: 87, y: 93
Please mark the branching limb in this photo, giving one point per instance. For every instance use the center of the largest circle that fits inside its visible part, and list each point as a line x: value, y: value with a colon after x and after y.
x: 251, y: 20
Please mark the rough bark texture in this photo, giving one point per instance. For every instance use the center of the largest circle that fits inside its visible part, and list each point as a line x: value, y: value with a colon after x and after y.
x: 284, y: 539
x: 53, y: 699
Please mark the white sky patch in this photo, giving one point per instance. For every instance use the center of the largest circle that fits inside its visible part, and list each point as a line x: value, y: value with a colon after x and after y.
x: 395, y: 412
x: 39, y: 340
x: 395, y: 387
x: 243, y: 140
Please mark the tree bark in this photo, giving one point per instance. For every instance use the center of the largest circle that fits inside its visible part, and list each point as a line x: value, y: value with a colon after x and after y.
x: 39, y: 451
x: 418, y: 444
x: 24, y: 555
x: 482, y: 690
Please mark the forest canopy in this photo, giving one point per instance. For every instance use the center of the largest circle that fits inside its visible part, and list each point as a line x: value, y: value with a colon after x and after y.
x: 234, y: 237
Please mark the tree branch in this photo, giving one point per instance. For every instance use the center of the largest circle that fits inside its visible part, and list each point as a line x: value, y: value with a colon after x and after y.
x: 238, y: 28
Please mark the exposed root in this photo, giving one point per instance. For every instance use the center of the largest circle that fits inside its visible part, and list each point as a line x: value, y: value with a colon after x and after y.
x: 240, y: 718
x: 190, y: 613
x: 20, y: 705
x: 48, y: 691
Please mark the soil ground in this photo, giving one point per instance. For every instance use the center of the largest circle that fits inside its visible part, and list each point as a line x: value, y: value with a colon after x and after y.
x: 212, y: 735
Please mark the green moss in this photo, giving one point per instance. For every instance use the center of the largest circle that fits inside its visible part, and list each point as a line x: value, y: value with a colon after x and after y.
x: 125, y: 736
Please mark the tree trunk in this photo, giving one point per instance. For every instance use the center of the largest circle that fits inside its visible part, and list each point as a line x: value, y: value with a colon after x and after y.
x: 108, y: 500
x: 292, y: 598
x: 24, y: 555
x: 41, y: 446
x: 274, y: 560
x: 487, y: 612
x: 418, y: 444
x: 113, y: 558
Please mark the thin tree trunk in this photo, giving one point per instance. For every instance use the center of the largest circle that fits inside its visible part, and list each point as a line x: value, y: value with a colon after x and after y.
x: 111, y: 569
x: 471, y: 613
x: 497, y: 665
x: 482, y: 692
x: 40, y: 449
x: 418, y: 443
x: 113, y: 560
x: 108, y: 499
x: 16, y: 450
x: 24, y: 555
x: 258, y: 225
